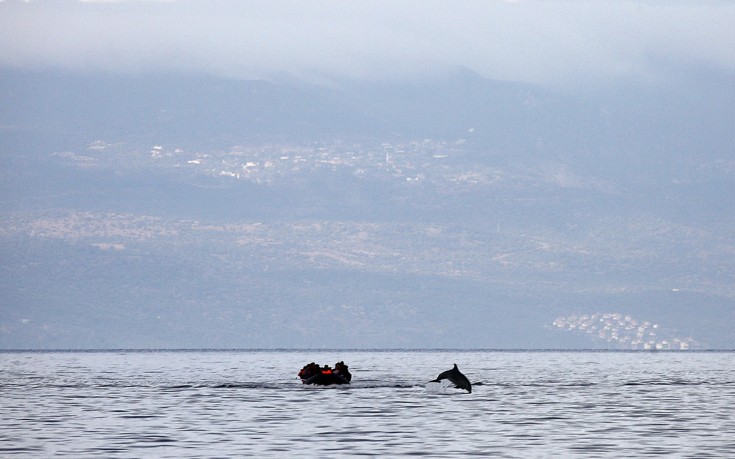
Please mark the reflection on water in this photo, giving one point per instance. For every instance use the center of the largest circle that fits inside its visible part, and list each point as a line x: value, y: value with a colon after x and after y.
x: 240, y: 403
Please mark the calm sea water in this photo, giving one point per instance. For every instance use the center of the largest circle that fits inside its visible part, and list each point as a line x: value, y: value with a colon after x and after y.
x: 250, y: 403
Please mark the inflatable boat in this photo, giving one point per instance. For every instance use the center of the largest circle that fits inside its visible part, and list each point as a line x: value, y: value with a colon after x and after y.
x: 313, y: 373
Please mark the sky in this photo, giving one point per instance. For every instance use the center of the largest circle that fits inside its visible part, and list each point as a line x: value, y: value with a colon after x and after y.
x: 533, y: 41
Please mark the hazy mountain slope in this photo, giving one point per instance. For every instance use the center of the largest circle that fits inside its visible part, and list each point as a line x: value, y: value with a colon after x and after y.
x: 191, y: 212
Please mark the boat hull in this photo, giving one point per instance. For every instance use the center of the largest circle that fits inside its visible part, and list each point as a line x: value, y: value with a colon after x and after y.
x: 325, y: 380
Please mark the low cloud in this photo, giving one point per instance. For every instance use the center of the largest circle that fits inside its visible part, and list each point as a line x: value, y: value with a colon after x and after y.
x: 561, y: 42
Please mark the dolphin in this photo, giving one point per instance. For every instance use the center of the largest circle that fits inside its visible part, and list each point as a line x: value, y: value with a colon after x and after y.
x: 455, y: 376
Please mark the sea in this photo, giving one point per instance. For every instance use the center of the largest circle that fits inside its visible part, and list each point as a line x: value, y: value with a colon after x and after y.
x: 250, y: 403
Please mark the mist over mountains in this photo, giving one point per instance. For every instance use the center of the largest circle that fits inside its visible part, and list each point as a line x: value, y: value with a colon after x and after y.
x: 455, y: 212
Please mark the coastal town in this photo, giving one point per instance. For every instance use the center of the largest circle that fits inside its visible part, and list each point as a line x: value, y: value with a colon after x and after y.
x: 412, y: 161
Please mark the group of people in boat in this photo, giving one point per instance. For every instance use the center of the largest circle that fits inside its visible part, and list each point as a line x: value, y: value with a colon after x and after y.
x: 313, y: 373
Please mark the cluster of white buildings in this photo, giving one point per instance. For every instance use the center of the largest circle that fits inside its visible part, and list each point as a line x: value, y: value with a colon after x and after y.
x: 265, y: 162
x: 624, y: 332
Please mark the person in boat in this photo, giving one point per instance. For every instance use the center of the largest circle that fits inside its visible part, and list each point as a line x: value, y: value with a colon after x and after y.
x: 309, y: 370
x: 342, y: 370
x: 304, y: 371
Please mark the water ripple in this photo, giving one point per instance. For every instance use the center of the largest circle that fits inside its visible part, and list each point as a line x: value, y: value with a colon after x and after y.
x: 207, y: 405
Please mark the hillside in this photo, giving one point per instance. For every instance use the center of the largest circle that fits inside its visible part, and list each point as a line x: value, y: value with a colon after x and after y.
x: 289, y: 216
